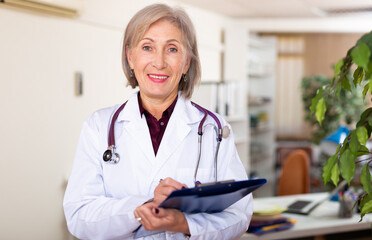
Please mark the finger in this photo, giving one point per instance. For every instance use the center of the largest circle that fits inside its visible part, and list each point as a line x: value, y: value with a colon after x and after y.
x: 151, y: 221
x: 136, y: 215
x: 167, y: 213
x: 161, y: 212
x: 172, y: 183
x: 145, y: 218
x: 155, y: 211
x: 165, y: 188
x: 162, y: 192
x: 151, y: 205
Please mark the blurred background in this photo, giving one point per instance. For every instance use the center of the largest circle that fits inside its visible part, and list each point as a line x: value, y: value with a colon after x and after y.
x: 262, y: 61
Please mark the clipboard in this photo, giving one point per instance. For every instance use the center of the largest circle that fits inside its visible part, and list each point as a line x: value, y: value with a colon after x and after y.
x: 209, y: 198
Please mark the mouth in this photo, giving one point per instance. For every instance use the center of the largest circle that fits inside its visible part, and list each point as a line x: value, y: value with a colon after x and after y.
x: 159, y: 78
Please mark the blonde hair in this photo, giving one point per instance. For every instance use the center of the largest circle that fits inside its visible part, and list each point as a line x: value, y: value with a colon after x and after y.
x: 141, y: 22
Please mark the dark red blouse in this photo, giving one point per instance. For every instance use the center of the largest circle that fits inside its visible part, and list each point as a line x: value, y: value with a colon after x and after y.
x: 156, y: 128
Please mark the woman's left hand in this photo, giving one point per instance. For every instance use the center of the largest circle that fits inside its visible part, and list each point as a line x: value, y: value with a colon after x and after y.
x: 160, y: 219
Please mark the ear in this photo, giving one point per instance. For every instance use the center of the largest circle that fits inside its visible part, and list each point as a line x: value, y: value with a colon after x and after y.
x: 128, y: 53
x: 187, y: 66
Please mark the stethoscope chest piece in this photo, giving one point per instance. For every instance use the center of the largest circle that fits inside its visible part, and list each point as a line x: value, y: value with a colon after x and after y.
x: 110, y: 155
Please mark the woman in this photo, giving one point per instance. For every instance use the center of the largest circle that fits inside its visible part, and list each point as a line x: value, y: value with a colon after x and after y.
x: 157, y: 140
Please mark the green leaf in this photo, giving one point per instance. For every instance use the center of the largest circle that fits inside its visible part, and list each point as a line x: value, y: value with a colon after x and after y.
x: 315, y: 100
x: 360, y: 55
x: 368, y: 73
x: 362, y: 135
x: 354, y: 143
x: 367, y: 207
x: 365, y: 90
x: 358, y: 76
x: 345, y: 84
x: 347, y: 165
x: 320, y: 110
x: 335, y: 174
x: 363, y: 150
x: 364, y: 116
x: 369, y: 130
x: 366, y: 38
x: 370, y: 86
x: 365, y: 179
x: 338, y: 67
x: 363, y: 200
x: 327, y: 169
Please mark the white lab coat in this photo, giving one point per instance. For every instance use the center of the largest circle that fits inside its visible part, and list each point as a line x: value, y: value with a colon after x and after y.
x: 100, y: 197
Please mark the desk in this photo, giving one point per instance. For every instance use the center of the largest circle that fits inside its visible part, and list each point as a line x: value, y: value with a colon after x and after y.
x: 322, y: 220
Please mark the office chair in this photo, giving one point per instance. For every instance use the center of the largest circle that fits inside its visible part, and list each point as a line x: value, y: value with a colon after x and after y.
x: 295, y: 174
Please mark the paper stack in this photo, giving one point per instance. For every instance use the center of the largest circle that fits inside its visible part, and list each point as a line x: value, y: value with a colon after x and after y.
x: 269, y: 218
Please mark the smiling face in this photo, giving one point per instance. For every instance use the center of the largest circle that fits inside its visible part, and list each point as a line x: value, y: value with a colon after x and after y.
x: 159, y: 60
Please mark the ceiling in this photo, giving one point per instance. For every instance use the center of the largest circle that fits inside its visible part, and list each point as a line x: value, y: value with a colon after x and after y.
x: 285, y: 8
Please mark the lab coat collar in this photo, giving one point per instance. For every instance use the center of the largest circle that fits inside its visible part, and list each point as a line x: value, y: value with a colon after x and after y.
x: 131, y: 110
x: 183, y: 109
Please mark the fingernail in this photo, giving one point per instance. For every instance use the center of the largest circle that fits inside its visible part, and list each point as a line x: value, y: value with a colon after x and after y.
x: 156, y: 210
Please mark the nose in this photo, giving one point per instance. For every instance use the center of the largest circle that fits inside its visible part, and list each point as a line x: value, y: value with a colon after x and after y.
x: 159, y: 60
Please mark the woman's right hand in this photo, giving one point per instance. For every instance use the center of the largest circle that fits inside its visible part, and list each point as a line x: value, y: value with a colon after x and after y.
x: 166, y: 187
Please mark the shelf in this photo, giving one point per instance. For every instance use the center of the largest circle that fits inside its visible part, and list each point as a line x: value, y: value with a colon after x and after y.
x: 261, y: 130
x: 255, y: 43
x: 258, y: 76
x: 259, y: 157
x: 235, y: 118
x: 261, y: 66
x: 259, y: 104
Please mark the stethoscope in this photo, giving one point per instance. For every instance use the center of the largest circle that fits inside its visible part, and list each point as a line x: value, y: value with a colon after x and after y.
x: 111, y: 156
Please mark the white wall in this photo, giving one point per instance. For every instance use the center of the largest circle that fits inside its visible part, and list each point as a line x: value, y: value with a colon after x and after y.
x: 350, y: 24
x: 40, y: 115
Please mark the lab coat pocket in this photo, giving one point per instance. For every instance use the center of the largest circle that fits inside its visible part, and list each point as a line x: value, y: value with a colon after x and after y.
x: 186, y: 176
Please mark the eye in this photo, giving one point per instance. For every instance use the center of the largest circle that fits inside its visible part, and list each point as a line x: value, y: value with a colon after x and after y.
x: 146, y: 48
x: 172, y: 49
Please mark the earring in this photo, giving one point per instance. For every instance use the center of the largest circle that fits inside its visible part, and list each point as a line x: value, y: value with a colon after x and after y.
x: 184, y: 77
x: 131, y: 74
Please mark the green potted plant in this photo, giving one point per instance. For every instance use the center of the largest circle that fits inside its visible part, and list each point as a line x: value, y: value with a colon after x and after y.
x: 341, y: 111
x: 358, y: 60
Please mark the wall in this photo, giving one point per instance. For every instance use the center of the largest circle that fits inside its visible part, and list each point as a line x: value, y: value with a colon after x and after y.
x: 323, y: 50
x: 346, y: 24
x: 40, y: 115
